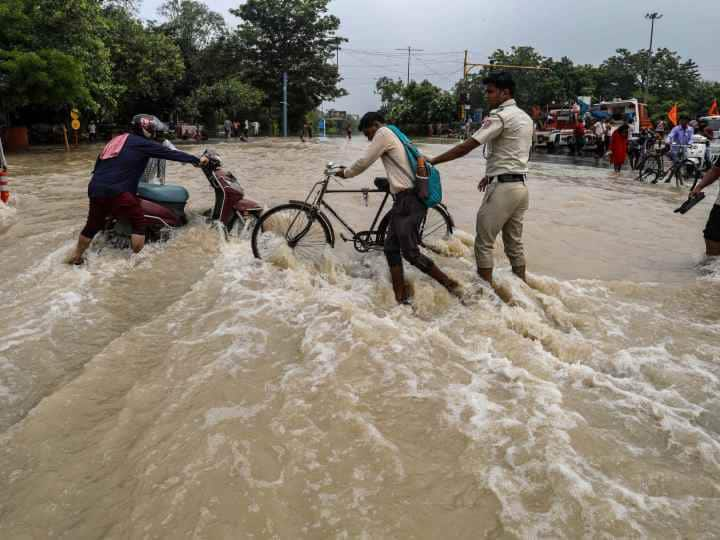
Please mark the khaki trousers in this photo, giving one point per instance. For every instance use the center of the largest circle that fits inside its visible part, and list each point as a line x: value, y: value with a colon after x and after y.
x: 503, y: 208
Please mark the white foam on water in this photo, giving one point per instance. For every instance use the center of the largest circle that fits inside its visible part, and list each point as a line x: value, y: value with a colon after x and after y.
x: 273, y: 385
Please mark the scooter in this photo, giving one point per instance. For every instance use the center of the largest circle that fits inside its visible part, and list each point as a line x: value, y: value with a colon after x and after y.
x: 164, y: 206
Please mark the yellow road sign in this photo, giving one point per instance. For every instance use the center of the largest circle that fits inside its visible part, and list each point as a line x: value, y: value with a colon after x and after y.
x: 75, y: 123
x: 74, y: 114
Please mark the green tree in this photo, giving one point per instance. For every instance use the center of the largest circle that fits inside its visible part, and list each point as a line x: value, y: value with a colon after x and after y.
x: 390, y: 92
x: 46, y: 78
x: 191, y: 25
x: 227, y: 98
x: 533, y: 86
x: 66, y: 26
x: 416, y: 103
x: 293, y: 36
x: 702, y: 96
x: 146, y: 64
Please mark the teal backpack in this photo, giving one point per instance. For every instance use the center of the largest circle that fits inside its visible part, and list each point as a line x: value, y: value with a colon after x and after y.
x: 434, y: 185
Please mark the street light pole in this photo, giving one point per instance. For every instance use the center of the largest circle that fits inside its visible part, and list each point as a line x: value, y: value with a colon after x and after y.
x: 285, y: 105
x: 652, y: 17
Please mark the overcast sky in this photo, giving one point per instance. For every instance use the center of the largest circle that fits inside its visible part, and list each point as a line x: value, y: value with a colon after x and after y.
x: 587, y: 32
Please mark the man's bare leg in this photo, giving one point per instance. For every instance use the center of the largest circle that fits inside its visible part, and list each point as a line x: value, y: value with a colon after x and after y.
x: 519, y: 271
x: 137, y: 242
x: 712, y: 248
x: 82, y: 245
x: 486, y: 274
x: 504, y: 294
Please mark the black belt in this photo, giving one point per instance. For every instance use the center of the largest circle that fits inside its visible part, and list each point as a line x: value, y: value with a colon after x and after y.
x: 502, y: 178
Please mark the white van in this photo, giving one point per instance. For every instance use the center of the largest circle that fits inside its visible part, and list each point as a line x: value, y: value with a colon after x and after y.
x: 714, y: 124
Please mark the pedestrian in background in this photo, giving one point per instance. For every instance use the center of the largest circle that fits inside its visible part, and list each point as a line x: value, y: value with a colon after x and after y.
x: 619, y: 147
x: 712, y: 228
x: 599, y: 131
x: 92, y: 131
x: 578, y: 138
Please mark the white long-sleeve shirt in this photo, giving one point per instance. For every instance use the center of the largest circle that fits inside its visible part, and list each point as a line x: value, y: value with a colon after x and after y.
x: 386, y: 146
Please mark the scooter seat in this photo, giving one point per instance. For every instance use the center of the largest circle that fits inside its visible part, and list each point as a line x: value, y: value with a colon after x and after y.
x: 163, y: 193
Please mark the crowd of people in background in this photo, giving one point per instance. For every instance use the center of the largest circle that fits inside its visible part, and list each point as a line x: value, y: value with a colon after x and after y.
x: 241, y: 130
x: 617, y: 144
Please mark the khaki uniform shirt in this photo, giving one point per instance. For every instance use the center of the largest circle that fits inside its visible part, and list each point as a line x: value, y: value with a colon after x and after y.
x: 507, y: 133
x: 386, y: 146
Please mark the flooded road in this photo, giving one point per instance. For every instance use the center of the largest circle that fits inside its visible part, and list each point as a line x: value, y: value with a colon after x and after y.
x: 192, y: 391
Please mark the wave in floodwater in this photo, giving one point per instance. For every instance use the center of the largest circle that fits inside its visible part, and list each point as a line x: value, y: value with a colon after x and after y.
x: 193, y: 391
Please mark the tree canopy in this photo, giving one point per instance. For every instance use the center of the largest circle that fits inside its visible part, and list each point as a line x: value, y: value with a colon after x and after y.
x: 623, y: 75
x: 100, y: 57
x: 298, y: 38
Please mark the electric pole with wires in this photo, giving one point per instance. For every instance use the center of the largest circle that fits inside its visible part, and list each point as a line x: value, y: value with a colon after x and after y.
x: 652, y: 17
x: 410, y: 50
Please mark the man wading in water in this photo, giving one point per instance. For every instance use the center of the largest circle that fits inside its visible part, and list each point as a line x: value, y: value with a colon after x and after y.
x: 407, y: 212
x: 114, y: 184
x: 712, y: 228
x: 507, y: 132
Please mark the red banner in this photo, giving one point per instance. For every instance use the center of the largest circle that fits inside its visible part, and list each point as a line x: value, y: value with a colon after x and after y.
x: 713, y: 109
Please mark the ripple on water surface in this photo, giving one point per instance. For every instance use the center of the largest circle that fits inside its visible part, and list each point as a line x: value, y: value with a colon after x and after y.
x: 195, y: 391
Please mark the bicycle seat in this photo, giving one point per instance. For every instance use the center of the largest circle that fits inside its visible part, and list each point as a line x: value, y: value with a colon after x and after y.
x: 382, y: 183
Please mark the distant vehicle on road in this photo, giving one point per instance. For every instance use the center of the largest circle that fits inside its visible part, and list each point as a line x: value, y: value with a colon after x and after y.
x: 714, y: 144
x: 621, y: 111
x: 558, y: 130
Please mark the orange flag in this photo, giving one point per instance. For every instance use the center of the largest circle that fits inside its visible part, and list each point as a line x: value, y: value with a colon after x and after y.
x: 673, y: 115
x: 713, y: 109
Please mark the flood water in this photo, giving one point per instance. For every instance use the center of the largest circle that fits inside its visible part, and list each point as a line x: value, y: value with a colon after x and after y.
x: 192, y: 391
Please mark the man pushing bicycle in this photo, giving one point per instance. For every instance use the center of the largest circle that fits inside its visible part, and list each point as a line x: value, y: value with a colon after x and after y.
x: 408, y: 211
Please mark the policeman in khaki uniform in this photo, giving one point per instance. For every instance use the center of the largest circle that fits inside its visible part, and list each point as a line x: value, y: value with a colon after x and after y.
x: 507, y: 133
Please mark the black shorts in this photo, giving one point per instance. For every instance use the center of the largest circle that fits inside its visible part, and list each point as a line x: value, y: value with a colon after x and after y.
x: 712, y: 229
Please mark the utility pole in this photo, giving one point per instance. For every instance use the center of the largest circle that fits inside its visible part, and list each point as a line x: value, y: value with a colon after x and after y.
x: 410, y: 50
x: 285, y: 103
x: 652, y: 17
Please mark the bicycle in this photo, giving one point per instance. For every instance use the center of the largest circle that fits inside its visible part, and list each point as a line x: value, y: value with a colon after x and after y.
x: 682, y: 168
x: 651, y: 164
x: 303, y: 227
x: 651, y: 167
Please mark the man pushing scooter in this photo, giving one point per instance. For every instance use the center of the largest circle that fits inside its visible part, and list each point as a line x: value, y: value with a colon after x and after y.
x: 114, y: 184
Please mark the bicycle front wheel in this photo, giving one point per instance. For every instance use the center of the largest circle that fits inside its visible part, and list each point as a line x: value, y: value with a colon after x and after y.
x: 291, y: 228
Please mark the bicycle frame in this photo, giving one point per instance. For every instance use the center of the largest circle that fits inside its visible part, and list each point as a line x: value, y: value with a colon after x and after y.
x: 318, y: 203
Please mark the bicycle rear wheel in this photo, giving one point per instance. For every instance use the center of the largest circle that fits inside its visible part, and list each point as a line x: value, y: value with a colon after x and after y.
x: 437, y: 225
x: 686, y: 172
x: 651, y: 169
x: 293, y: 228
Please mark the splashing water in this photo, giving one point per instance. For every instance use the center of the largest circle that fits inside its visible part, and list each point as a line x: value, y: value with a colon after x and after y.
x: 194, y: 391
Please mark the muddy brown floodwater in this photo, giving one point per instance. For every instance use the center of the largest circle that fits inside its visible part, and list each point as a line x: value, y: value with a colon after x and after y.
x: 195, y: 392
